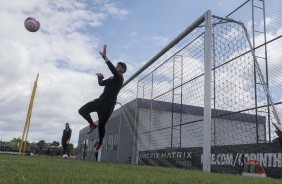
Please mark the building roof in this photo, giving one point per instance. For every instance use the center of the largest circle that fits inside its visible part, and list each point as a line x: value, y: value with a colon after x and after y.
x: 187, y: 109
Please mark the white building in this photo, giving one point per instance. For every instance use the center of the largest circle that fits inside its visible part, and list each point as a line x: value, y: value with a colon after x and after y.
x: 159, y: 125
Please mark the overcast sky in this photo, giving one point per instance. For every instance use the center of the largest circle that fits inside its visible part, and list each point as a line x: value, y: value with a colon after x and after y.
x: 65, y: 54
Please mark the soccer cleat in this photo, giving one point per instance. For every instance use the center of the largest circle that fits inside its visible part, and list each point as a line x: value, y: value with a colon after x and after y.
x: 97, y: 147
x: 91, y: 128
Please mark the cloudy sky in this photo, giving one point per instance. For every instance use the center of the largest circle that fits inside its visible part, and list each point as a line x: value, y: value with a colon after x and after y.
x: 65, y: 54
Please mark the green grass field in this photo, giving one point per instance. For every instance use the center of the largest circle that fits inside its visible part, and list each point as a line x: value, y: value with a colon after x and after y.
x: 38, y: 170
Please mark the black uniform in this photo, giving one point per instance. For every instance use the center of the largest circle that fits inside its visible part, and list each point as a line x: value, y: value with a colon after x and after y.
x: 243, y: 159
x: 65, y: 140
x: 104, y: 105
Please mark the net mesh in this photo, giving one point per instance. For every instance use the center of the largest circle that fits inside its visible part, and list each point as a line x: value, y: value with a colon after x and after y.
x: 167, y: 98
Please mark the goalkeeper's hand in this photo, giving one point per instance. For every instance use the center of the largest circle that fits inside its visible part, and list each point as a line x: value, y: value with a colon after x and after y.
x: 100, y: 76
x: 104, y: 52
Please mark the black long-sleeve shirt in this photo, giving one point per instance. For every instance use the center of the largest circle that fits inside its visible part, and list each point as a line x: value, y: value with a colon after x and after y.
x: 66, y: 134
x: 112, y: 85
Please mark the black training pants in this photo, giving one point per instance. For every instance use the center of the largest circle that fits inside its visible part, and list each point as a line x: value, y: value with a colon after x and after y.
x: 65, y: 148
x: 104, y: 111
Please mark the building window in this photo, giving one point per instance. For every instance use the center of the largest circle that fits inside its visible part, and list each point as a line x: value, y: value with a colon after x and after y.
x: 112, y: 142
x: 115, y: 141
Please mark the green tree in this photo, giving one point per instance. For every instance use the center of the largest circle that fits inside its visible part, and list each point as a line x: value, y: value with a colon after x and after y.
x: 41, y: 145
x: 14, y: 143
x: 55, y: 143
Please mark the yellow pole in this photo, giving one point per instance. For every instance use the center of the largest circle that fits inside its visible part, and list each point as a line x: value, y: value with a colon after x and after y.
x: 23, y: 134
x: 28, y: 117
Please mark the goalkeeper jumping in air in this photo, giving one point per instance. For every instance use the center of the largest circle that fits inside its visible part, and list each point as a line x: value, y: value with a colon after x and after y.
x: 104, y: 105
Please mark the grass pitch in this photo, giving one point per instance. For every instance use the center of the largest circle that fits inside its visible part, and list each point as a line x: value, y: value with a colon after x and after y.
x: 33, y: 169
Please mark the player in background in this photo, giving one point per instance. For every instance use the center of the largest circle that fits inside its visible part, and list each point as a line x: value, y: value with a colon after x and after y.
x: 66, y: 140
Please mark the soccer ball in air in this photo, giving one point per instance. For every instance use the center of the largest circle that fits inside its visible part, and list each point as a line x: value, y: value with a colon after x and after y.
x: 31, y: 24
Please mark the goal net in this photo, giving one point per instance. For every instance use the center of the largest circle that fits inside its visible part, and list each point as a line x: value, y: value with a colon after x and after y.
x: 203, y: 102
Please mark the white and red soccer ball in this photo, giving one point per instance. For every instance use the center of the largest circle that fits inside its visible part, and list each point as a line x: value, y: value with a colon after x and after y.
x: 31, y: 24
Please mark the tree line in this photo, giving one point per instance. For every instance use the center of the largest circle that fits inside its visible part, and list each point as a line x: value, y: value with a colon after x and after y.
x: 37, y: 148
